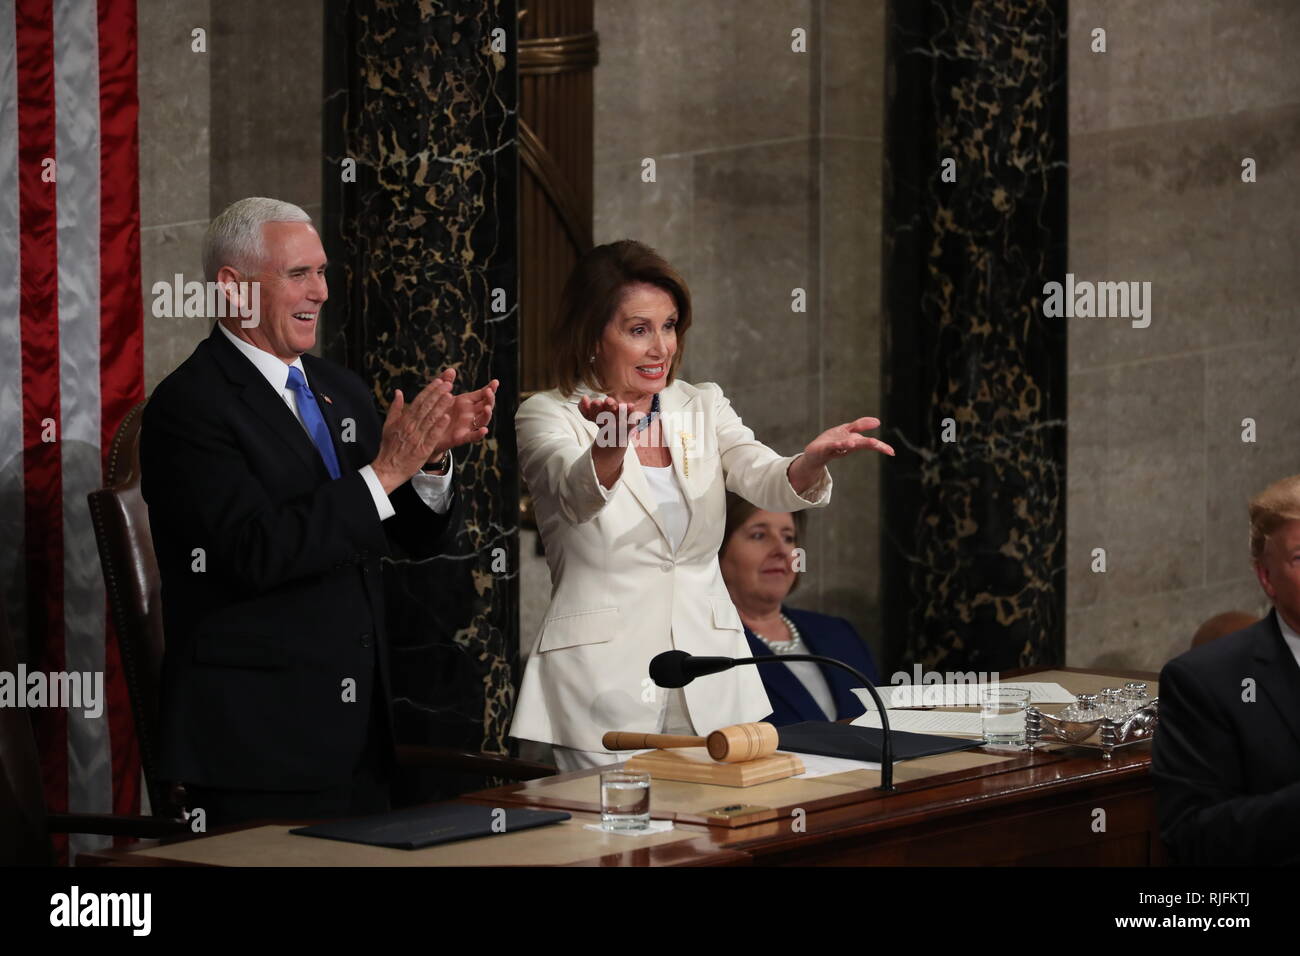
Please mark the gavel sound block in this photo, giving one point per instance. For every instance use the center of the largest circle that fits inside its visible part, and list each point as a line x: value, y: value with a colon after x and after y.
x: 741, y: 755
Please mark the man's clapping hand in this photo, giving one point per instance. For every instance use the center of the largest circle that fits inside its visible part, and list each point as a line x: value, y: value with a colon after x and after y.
x: 470, y: 413
x: 412, y: 433
x: 420, y: 433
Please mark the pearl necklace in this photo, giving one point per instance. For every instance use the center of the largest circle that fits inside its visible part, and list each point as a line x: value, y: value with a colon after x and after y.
x: 792, y: 646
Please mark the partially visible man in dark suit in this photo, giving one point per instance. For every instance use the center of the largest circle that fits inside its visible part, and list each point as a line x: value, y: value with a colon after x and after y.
x: 1226, y: 757
x: 273, y: 492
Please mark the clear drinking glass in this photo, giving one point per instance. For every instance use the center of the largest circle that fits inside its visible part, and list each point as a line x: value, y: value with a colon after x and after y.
x: 1112, y: 704
x: 1135, y: 696
x: 1002, y: 715
x: 624, y: 800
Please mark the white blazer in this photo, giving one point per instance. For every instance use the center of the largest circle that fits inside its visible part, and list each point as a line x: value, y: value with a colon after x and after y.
x: 619, y: 595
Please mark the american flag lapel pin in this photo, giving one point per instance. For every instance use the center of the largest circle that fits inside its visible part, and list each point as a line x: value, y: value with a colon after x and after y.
x: 328, y: 400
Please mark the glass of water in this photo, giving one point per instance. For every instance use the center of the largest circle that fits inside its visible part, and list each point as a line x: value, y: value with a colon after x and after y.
x: 624, y: 800
x: 1002, y: 715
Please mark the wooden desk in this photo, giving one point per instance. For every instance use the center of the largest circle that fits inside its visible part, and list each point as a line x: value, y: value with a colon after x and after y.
x: 1037, y: 808
x: 977, y: 808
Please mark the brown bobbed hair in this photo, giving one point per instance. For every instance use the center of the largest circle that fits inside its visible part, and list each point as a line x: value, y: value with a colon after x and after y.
x: 740, y: 510
x: 591, y: 298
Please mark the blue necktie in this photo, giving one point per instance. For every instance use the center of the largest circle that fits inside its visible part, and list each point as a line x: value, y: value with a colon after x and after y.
x: 312, y: 418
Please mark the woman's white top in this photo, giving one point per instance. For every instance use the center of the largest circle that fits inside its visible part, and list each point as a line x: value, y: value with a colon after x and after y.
x: 672, y: 505
x: 673, y: 512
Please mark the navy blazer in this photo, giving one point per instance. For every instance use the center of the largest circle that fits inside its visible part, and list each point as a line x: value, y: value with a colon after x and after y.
x: 290, y: 602
x: 1226, y: 762
x: 829, y: 637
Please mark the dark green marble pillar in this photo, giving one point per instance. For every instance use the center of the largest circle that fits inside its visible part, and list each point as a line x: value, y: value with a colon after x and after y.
x: 974, y: 542
x: 420, y: 242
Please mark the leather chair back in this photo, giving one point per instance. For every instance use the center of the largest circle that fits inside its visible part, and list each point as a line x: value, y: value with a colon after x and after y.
x: 126, y: 554
x: 1221, y: 625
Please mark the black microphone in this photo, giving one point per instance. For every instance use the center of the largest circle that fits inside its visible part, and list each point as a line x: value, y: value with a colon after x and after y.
x: 678, y: 668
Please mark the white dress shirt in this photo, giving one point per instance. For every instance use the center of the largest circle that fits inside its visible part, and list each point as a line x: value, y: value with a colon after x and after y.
x: 434, y: 490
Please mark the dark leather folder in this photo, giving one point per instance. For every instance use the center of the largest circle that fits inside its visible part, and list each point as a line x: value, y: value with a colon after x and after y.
x: 863, y: 743
x: 417, y: 827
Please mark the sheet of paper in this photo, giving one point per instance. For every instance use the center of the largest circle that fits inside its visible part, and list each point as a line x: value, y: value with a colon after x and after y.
x: 959, y: 695
x: 926, y: 722
x: 817, y: 766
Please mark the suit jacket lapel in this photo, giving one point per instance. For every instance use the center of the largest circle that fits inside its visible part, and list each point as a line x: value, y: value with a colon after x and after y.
x: 781, y: 681
x: 1280, y: 677
x: 840, y: 681
x: 261, y: 398
x: 678, y: 431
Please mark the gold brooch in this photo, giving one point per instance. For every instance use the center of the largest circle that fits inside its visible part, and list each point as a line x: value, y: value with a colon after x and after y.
x: 686, y: 461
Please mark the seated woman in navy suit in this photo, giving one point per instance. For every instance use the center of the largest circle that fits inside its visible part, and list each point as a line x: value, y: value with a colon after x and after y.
x: 756, y: 560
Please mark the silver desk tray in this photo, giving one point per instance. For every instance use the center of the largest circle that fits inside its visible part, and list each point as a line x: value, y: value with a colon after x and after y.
x: 1105, y: 735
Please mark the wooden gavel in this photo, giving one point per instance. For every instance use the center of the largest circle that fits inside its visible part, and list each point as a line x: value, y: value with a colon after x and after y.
x: 734, y: 744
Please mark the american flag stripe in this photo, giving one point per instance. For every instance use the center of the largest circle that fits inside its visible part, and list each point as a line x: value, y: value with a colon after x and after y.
x: 12, y: 563
x: 38, y: 313
x: 121, y: 311
x: 80, y: 363
x: 76, y: 125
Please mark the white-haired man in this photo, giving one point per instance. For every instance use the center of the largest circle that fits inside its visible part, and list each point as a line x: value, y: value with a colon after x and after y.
x: 273, y: 492
x: 1226, y: 757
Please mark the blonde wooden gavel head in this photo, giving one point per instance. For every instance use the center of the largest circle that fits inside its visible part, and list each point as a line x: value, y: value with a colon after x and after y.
x: 741, y: 742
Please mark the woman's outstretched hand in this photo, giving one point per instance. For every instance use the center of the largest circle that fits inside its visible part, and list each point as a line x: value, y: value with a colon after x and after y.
x: 831, y: 444
x: 607, y: 455
x: 593, y: 408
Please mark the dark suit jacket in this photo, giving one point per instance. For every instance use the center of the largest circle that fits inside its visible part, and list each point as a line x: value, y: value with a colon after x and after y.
x: 829, y: 637
x: 1227, y: 771
x: 288, y: 603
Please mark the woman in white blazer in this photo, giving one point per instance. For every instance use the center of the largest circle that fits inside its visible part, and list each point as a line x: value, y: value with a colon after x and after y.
x: 628, y: 470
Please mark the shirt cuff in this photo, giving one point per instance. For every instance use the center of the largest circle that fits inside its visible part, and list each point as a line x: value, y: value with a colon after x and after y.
x: 382, y: 504
x: 435, y: 490
x: 605, y: 493
x: 818, y: 491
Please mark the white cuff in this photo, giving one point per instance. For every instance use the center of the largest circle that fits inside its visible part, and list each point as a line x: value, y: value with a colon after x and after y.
x: 819, y: 491
x: 605, y: 493
x: 382, y: 504
x: 435, y: 490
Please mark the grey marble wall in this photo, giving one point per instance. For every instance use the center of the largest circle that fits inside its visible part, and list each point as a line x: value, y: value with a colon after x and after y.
x: 767, y: 179
x: 242, y: 118
x: 175, y: 108
x: 1158, y: 474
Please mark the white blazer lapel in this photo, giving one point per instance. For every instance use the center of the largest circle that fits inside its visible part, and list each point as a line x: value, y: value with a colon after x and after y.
x: 633, y: 476
x: 678, y: 404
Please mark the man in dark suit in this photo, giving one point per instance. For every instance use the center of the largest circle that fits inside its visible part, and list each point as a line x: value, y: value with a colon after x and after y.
x: 273, y: 492
x: 1226, y: 757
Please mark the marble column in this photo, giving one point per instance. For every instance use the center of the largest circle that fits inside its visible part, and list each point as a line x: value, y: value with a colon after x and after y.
x: 420, y: 104
x: 974, y: 375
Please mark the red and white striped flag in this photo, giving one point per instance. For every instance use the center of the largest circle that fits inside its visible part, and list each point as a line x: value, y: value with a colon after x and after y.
x: 71, y: 363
